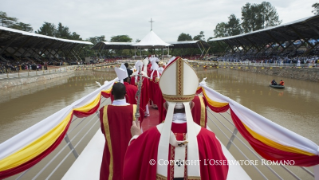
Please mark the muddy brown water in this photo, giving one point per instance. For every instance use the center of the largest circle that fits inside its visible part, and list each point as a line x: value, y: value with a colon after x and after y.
x: 295, y: 107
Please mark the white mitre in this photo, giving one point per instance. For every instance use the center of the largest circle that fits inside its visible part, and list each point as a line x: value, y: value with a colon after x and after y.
x: 138, y: 65
x: 178, y: 84
x: 121, y: 72
x: 154, y: 69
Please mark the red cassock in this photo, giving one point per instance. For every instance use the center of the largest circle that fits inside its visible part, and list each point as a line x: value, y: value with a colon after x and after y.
x: 116, y: 122
x: 130, y: 93
x: 144, y: 90
x: 199, y: 111
x: 149, y: 71
x: 158, y: 97
x: 141, y: 150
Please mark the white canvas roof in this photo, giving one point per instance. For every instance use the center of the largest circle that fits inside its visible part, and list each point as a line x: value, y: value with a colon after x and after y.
x: 151, y: 40
x: 43, y: 36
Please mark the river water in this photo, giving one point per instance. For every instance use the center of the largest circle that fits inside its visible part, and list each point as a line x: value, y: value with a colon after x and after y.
x: 295, y: 107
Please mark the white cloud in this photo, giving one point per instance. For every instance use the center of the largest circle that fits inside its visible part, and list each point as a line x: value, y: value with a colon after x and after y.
x: 111, y: 18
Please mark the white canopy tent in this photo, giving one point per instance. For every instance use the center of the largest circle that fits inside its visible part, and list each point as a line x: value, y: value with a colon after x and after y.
x: 151, y: 40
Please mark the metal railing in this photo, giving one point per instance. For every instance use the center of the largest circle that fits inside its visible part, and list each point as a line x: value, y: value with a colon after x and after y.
x: 31, y: 73
x: 55, y: 165
x: 82, y: 130
x: 224, y: 122
x: 264, y: 64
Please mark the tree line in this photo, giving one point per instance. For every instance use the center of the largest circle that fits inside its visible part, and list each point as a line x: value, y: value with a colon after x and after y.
x: 253, y: 17
x: 12, y: 22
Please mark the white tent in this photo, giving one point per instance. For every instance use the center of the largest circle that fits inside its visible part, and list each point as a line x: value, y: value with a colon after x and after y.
x: 151, y: 40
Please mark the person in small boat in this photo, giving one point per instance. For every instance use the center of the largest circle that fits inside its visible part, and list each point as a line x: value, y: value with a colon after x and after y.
x: 116, y: 120
x: 273, y: 82
x: 282, y: 83
x: 177, y: 148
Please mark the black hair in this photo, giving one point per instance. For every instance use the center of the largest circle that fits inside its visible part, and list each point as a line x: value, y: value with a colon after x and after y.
x: 126, y: 65
x: 118, y: 91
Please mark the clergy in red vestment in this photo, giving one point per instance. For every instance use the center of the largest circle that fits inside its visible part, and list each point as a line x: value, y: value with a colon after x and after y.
x: 199, y: 112
x: 116, y: 121
x: 178, y: 148
x: 145, y: 86
x: 158, y: 99
x: 130, y: 91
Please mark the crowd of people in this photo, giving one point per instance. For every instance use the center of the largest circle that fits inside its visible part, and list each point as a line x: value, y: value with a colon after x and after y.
x: 129, y: 149
x: 312, y: 60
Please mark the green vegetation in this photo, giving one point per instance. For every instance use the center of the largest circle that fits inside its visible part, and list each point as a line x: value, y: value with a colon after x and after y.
x: 12, y: 22
x: 253, y: 16
x: 49, y: 29
x: 315, y: 8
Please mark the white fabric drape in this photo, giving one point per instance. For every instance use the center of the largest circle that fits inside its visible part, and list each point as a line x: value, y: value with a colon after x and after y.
x: 264, y: 126
x: 29, y: 135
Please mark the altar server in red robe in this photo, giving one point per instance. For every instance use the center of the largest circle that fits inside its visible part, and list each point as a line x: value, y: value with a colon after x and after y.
x: 131, y: 90
x: 177, y: 148
x: 116, y: 121
x: 145, y: 86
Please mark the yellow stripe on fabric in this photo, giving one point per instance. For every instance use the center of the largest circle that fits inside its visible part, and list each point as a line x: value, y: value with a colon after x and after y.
x: 108, y: 91
x: 134, y: 111
x: 35, y: 148
x: 89, y: 106
x: 275, y: 144
x: 213, y: 103
x: 202, y: 112
x: 108, y: 139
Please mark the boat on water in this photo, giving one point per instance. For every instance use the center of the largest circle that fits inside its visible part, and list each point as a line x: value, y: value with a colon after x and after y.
x: 271, y: 141
x: 277, y: 86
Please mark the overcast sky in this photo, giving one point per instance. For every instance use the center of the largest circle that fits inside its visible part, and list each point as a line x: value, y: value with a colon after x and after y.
x: 131, y: 17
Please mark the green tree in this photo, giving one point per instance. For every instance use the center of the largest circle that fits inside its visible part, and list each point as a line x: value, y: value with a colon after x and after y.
x: 75, y: 36
x: 7, y: 21
x: 316, y: 8
x: 22, y: 26
x: 97, y: 39
x: 121, y: 38
x: 63, y: 31
x: 12, y: 22
x: 47, y: 29
x: 220, y: 30
x: 233, y: 26
x: 184, y: 37
x: 250, y: 17
x: 269, y: 15
x: 201, y: 36
x: 258, y: 16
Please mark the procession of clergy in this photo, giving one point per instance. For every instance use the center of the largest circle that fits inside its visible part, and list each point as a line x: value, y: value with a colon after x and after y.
x: 174, y: 149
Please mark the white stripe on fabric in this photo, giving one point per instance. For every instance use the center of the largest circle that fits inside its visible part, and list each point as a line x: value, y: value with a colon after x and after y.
x: 193, y: 129
x: 264, y: 126
x: 163, y: 146
x: 34, y: 132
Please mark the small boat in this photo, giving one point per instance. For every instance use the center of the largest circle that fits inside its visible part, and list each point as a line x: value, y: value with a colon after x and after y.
x: 277, y: 86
